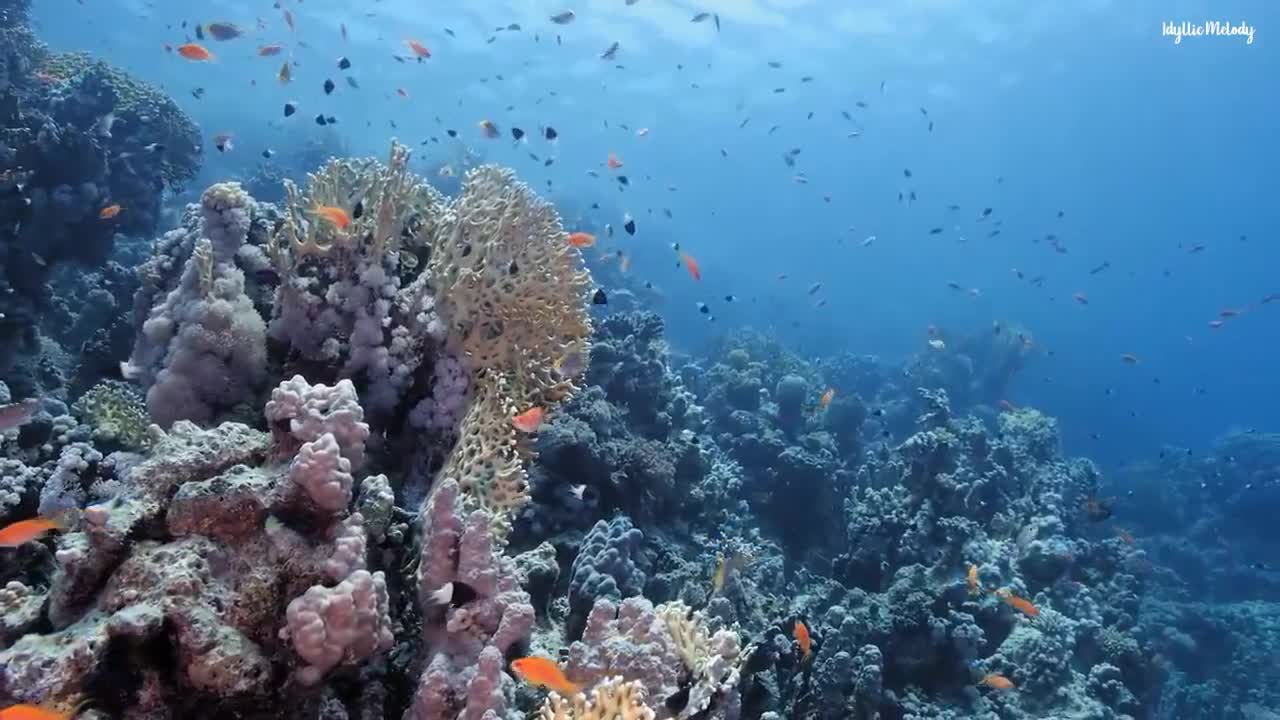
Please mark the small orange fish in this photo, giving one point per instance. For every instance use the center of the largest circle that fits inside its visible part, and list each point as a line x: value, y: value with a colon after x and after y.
x: 109, y: 211
x: 613, y: 162
x: 825, y: 400
x: 36, y: 712
x: 1020, y: 604
x: 269, y: 50
x: 285, y: 73
x: 530, y: 420
x: 195, y: 51
x: 335, y: 215
x: 544, y: 673
x: 996, y: 681
x: 24, y: 531
x: 803, y: 639
x: 582, y: 239
x: 694, y: 271
x: 971, y: 579
x: 418, y: 48
x: 1129, y: 359
x: 489, y: 129
x: 402, y: 92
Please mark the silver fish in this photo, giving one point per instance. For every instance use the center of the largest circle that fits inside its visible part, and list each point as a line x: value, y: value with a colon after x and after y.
x: 701, y: 17
x: 610, y: 53
x: 563, y: 18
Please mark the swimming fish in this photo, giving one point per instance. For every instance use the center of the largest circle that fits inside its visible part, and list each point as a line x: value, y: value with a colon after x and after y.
x: 290, y: 108
x: 224, y: 30
x: 801, y: 633
x: 335, y: 215
x: 24, y: 531
x: 1080, y: 298
x: 419, y: 50
x: 695, y: 271
x: 223, y: 142
x: 563, y: 18
x: 577, y: 490
x: 285, y: 73
x: 599, y: 298
x: 488, y: 129
x: 18, y: 414
x: 107, y: 213
x: 613, y: 162
x: 455, y: 594
x: 329, y: 86
x: 25, y: 711
x: 701, y: 17
x: 996, y: 681
x: 725, y: 565
x: 825, y: 400
x: 971, y: 579
x: 529, y: 420
x: 1020, y: 604
x: 582, y: 239
x: 544, y: 673
x: 610, y: 53
x: 270, y: 50
x: 195, y: 51
x: 344, y: 63
x: 1129, y: 359
x: 629, y: 223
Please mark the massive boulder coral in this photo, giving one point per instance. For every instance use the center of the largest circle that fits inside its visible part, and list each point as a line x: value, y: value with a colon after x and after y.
x: 193, y: 553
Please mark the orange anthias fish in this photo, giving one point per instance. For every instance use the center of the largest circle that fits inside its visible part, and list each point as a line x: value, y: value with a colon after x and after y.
x: 805, y: 642
x: 530, y: 420
x: 582, y: 239
x: 825, y: 400
x: 335, y: 215
x: 544, y: 673
x: 1020, y: 604
x: 971, y: 579
x: 195, y: 51
x: 36, y: 712
x: 24, y: 531
x: 109, y: 211
x: 418, y: 48
x: 996, y: 681
x: 614, y: 162
x: 694, y: 271
x: 269, y: 50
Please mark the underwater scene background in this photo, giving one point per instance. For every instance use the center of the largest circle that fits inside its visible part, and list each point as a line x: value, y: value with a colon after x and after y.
x: 639, y: 359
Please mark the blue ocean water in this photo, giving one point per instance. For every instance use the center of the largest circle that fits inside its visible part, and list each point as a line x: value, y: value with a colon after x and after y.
x: 1148, y: 148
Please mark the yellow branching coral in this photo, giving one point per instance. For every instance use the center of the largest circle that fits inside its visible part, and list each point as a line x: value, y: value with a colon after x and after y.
x: 395, y: 208
x: 513, y: 294
x: 712, y: 659
x: 612, y: 699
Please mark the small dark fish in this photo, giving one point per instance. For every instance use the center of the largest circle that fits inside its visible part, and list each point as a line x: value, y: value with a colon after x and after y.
x: 352, y: 82
x: 789, y: 160
x: 629, y: 224
x: 744, y: 123
x: 881, y: 87
x: 924, y: 112
x: 729, y: 298
x: 775, y: 64
x: 290, y: 108
x: 846, y: 115
x: 1100, y: 268
x: 667, y: 212
x: 806, y: 78
x: 550, y: 133
x: 906, y: 172
x: 514, y: 27
x: 679, y: 700
x: 773, y: 129
x: 267, y: 153
x: 563, y: 18
x: 809, y: 116
x: 779, y: 90
x: 328, y: 87
x: 358, y: 210
x: 610, y: 53
x: 197, y: 93
x: 702, y: 307
x: 1060, y: 214
x: 724, y: 153
x: 452, y: 594
x: 716, y: 17
x: 860, y: 104
x: 224, y: 30
x: 935, y: 231
x: 814, y: 288
x: 701, y: 17
x: 622, y: 180
x: 344, y: 64
x: 320, y: 120
x: 449, y: 32
x: 547, y: 162
x: 986, y: 212
x: 330, y: 119
x: 930, y: 126
x: 517, y: 133
x: 199, y: 32
x: 599, y: 298
x: 513, y: 268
